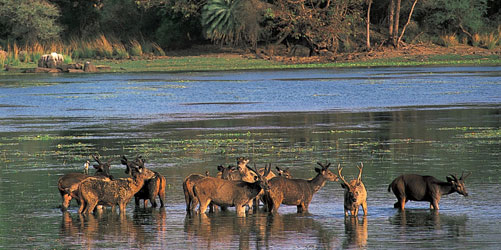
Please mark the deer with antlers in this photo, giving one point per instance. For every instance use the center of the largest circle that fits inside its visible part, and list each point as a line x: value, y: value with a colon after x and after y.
x: 355, y: 194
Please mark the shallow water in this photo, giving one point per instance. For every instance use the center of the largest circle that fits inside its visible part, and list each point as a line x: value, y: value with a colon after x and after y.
x: 434, y: 121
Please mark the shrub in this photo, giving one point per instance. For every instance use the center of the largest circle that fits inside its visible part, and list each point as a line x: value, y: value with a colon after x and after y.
x: 489, y: 41
x: 449, y: 40
x: 135, y: 48
x: 119, y: 51
x: 475, y: 40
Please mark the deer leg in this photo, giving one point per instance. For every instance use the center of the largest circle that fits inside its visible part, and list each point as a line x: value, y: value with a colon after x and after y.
x: 82, y: 206
x: 136, y: 200
x: 90, y: 206
x: 121, y: 207
x: 203, y: 206
x: 161, y: 196
x: 240, y: 210
x: 355, y: 211
x: 364, y: 207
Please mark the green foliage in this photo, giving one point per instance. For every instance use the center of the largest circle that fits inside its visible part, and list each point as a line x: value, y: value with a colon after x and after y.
x: 29, y: 20
x: 450, y: 15
x: 220, y: 21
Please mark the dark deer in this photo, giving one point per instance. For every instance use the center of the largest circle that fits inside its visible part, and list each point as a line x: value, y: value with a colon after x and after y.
x: 154, y: 184
x: 68, y: 184
x: 298, y: 192
x: 355, y: 194
x: 229, y: 193
x: 413, y: 187
x: 94, y: 191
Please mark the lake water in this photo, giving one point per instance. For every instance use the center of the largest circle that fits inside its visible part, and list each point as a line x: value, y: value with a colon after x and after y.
x: 431, y: 121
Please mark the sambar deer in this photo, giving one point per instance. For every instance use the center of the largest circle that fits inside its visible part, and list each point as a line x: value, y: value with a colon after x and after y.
x: 154, y: 183
x: 297, y: 192
x: 68, y: 183
x: 355, y: 194
x: 413, y: 187
x: 229, y: 193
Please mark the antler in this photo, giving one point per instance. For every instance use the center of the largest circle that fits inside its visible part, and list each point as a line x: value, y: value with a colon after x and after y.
x: 360, y: 171
x: 464, y: 177
x: 339, y: 169
x: 328, y: 164
x: 96, y: 158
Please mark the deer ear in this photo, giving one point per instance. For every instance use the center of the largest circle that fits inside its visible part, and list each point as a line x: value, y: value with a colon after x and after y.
x: 220, y: 168
x: 318, y: 170
x: 449, y: 179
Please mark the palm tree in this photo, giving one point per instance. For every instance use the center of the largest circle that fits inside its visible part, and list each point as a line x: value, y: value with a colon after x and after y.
x: 230, y: 21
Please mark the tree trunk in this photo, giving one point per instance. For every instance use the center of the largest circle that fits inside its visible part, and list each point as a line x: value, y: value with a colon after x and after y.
x: 395, y: 27
x: 368, y: 41
x: 407, y: 23
x: 391, y: 19
x: 396, y: 23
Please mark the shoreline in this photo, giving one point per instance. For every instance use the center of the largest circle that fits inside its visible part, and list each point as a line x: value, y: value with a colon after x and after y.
x: 208, y: 58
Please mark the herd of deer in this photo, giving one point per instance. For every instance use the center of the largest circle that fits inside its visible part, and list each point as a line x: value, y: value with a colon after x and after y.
x: 240, y: 186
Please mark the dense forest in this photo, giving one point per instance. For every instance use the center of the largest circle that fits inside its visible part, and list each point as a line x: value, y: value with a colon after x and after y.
x: 317, y: 26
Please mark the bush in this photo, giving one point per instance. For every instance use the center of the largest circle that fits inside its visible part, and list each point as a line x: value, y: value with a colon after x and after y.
x: 119, y: 51
x: 135, y: 48
x: 449, y: 40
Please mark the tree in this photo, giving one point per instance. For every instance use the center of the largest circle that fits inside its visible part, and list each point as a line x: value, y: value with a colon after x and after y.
x: 232, y: 22
x: 28, y: 21
x: 368, y: 24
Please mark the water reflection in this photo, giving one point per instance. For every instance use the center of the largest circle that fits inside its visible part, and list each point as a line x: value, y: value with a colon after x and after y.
x: 299, y: 230
x: 258, y: 231
x: 215, y: 231
x: 90, y: 231
x: 430, y: 221
x: 356, y: 232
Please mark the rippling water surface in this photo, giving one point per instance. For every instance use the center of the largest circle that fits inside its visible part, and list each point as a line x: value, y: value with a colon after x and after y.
x: 433, y: 121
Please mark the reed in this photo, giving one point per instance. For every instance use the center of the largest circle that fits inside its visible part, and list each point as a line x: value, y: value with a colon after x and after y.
x: 449, y: 40
x: 489, y: 40
x: 135, y: 48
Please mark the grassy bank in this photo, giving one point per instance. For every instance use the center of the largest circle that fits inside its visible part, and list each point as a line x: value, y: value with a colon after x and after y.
x: 219, y: 62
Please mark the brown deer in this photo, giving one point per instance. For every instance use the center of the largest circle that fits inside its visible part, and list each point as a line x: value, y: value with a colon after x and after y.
x: 71, y: 181
x: 413, y: 187
x: 284, y: 172
x: 190, y: 181
x: 94, y: 191
x: 154, y: 184
x: 298, y: 192
x: 355, y: 194
x: 229, y: 193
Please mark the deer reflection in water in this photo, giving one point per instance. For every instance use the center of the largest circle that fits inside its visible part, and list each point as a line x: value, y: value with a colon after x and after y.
x: 88, y: 231
x: 356, y: 232
x: 217, y: 231
x: 431, y: 221
x: 297, y: 230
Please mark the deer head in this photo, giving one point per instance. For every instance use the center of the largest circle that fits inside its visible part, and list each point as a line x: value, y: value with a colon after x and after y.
x: 261, y: 179
x: 354, y: 188
x: 284, y: 172
x: 458, y: 184
x: 102, y: 167
x: 325, y: 172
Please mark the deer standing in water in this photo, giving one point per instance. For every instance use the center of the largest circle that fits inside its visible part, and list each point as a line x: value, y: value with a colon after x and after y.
x: 413, y: 187
x: 355, y: 194
x: 298, y: 192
